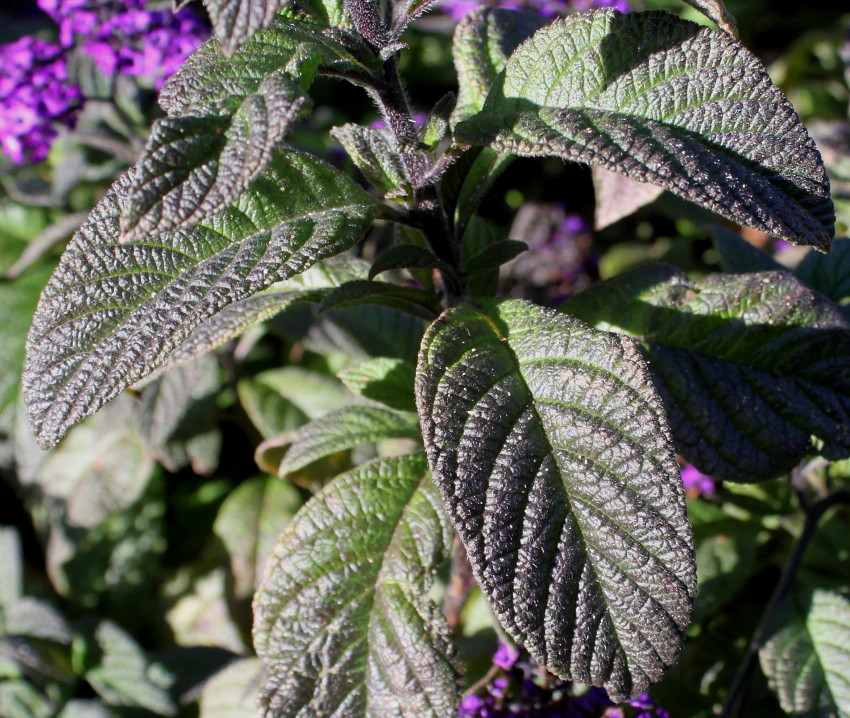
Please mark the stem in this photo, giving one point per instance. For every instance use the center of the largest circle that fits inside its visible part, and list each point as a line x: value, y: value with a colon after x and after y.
x: 461, y: 582
x: 736, y: 700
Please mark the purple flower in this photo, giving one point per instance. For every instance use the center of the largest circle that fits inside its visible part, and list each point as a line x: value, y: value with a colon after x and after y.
x: 35, y: 98
x: 471, y: 705
x: 696, y: 483
x: 124, y: 38
x: 505, y: 656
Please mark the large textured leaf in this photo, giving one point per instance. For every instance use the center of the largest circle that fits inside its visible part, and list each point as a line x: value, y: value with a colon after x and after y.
x: 342, y: 619
x: 750, y: 366
x: 114, y: 311
x: 483, y: 42
x: 807, y: 655
x: 664, y: 101
x: 236, y: 21
x: 550, y: 446
x: 225, y: 117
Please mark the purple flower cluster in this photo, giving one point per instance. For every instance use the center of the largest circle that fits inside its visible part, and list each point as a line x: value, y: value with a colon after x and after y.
x: 697, y: 483
x: 35, y: 98
x: 458, y: 9
x: 124, y: 38
x: 521, y: 689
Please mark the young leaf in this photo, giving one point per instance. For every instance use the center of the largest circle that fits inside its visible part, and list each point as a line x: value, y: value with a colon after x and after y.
x: 343, y: 620
x: 415, y: 301
x: 750, y: 366
x: 345, y: 429
x: 807, y: 656
x: 383, y: 379
x: 483, y: 42
x: 114, y: 311
x: 406, y: 256
x: 493, y: 257
x: 236, y: 21
x: 716, y: 11
x: 693, y: 112
x: 550, y: 446
x: 375, y: 154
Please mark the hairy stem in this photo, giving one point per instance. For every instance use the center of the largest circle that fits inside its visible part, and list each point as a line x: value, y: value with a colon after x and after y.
x: 737, y: 698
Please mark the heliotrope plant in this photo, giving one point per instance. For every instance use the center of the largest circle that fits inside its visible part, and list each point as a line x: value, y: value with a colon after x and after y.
x: 547, y: 437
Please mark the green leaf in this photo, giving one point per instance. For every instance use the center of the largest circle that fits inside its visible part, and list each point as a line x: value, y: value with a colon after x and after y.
x: 11, y: 558
x: 405, y: 256
x: 806, y: 657
x: 114, y: 311
x: 232, y: 692
x: 34, y: 618
x: 178, y: 416
x: 483, y: 42
x: 345, y: 429
x: 122, y: 675
x: 738, y: 256
x: 493, y: 257
x: 828, y: 274
x: 249, y: 523
x: 415, y: 301
x: 662, y: 100
x: 375, y: 154
x: 343, y: 621
x: 716, y: 11
x: 383, y: 379
x: 195, y: 166
x: 236, y: 21
x: 19, y: 699
x: 551, y: 449
x: 750, y: 366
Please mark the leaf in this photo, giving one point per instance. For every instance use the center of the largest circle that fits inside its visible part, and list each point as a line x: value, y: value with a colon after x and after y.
x: 232, y: 692
x: 19, y: 699
x: 405, y: 256
x: 383, y: 379
x: 750, y: 366
x: 738, y: 256
x: 12, y: 560
x: 249, y: 523
x: 551, y: 449
x: 494, y: 256
x: 122, y: 675
x: 114, y: 311
x: 662, y: 100
x: 343, y: 621
x: 375, y: 154
x: 806, y: 657
x: 618, y: 196
x: 236, y: 21
x: 195, y: 166
x: 482, y: 44
x: 415, y: 301
x: 716, y: 11
x: 345, y: 429
x: 34, y: 618
x: 828, y: 274
x: 178, y: 416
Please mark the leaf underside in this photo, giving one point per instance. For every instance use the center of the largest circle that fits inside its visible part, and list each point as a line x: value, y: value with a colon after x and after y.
x: 806, y: 657
x: 549, y: 445
x: 750, y: 366
x: 114, y: 311
x: 663, y: 101
x: 342, y: 618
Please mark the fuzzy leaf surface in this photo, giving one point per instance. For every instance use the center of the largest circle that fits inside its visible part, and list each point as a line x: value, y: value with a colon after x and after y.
x: 342, y: 619
x: 375, y: 154
x: 806, y: 657
x: 114, y: 311
x: 750, y: 366
x: 549, y: 444
x: 663, y: 101
x: 236, y: 21
x: 345, y: 429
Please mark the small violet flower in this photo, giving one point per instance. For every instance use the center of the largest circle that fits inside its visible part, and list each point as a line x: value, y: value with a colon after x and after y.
x: 505, y: 656
x: 696, y: 483
x: 35, y: 98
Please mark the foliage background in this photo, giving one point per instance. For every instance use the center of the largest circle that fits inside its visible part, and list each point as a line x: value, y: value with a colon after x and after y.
x: 130, y: 553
